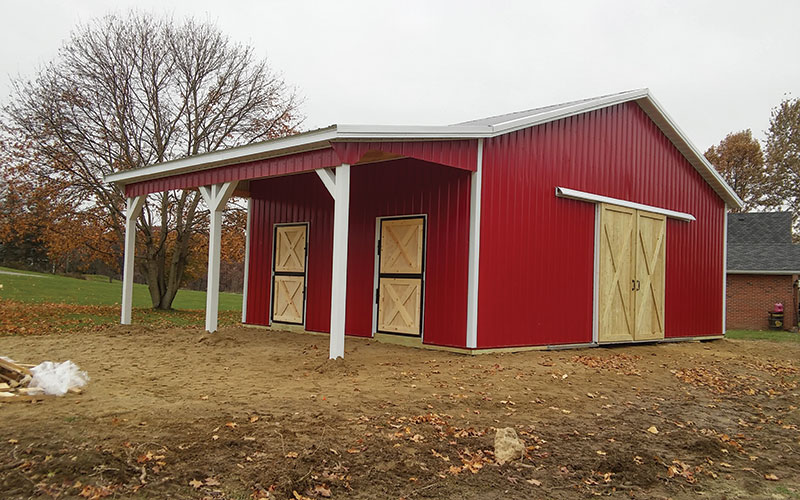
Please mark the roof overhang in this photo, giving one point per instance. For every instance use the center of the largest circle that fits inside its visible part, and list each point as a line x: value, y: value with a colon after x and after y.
x: 322, y: 138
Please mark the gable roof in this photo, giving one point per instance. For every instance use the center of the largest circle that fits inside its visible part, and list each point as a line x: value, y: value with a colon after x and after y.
x: 761, y: 243
x: 476, y: 129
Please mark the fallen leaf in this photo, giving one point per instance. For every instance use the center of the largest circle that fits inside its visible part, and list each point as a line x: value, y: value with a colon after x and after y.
x: 292, y: 454
x: 210, y: 481
x: 322, y: 491
x: 231, y: 425
x: 652, y: 429
x: 254, y: 419
x: 194, y: 483
x: 533, y: 482
x: 770, y: 477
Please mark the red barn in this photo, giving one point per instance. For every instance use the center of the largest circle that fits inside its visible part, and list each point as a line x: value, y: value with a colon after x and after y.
x: 584, y: 223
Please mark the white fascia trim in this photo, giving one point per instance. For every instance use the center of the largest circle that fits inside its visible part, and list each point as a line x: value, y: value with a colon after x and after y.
x: 574, y: 194
x: 771, y: 272
x: 309, y: 141
x: 405, y: 132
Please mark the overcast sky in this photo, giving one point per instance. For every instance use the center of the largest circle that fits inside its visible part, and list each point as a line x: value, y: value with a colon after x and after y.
x: 716, y: 67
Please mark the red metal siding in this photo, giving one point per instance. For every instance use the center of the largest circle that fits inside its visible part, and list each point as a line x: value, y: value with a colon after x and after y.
x: 293, y: 198
x: 537, y: 251
x: 398, y: 187
x: 405, y: 187
x: 281, y: 165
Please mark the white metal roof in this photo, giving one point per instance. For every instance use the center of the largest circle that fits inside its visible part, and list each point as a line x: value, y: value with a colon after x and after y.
x: 476, y: 129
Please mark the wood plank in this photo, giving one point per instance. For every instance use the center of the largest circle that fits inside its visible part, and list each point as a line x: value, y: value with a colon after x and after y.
x: 290, y: 248
x: 650, y: 275
x: 616, y: 281
x: 14, y: 367
x: 288, y: 300
x: 399, y: 308
x: 401, y: 245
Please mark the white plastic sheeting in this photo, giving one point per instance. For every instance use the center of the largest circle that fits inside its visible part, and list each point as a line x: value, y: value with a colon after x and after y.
x: 58, y: 378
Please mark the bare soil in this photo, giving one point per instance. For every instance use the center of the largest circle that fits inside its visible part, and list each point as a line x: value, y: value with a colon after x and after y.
x: 247, y: 413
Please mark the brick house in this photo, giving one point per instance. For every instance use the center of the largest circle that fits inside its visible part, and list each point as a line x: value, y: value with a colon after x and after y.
x: 762, y: 269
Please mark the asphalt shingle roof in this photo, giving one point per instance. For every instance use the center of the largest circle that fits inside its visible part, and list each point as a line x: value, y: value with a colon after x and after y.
x: 762, y: 242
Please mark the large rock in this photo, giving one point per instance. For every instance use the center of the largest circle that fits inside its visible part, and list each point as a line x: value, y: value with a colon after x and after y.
x: 507, y: 446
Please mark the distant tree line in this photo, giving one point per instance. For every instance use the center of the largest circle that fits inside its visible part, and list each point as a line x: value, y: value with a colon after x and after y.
x: 127, y: 91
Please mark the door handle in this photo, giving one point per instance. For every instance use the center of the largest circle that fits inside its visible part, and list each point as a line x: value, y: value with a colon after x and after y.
x: 633, y: 285
x: 638, y: 285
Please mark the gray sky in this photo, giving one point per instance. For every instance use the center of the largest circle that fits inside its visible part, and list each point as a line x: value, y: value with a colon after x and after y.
x: 716, y: 67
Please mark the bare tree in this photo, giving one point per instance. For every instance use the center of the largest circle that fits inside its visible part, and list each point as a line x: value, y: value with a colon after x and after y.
x: 136, y: 90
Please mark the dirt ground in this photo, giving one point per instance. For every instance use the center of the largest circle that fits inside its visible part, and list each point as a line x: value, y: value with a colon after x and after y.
x: 248, y: 413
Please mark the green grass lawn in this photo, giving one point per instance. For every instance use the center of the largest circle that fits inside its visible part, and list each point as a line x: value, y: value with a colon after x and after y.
x: 774, y: 335
x: 48, y: 288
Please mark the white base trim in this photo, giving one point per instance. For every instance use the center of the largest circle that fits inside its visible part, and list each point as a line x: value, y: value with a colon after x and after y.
x: 771, y: 273
x: 574, y: 194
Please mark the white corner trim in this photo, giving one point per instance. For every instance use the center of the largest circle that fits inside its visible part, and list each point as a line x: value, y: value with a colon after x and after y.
x: 596, y: 278
x: 724, y: 274
x: 573, y: 194
x: 474, y: 250
x: 329, y: 179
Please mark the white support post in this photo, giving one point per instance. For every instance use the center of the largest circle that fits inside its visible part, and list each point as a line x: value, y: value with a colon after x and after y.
x: 339, y: 187
x: 246, y: 259
x: 474, y: 251
x: 132, y: 211
x: 215, y: 196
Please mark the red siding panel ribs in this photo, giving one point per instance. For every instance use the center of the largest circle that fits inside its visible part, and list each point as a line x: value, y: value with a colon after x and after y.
x: 398, y: 187
x: 537, y: 251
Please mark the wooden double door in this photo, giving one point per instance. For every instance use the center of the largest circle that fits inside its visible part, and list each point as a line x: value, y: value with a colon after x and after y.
x: 401, y: 275
x: 289, y: 273
x: 631, y: 274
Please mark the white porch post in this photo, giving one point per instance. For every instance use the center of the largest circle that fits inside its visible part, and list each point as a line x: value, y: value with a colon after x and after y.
x: 215, y: 196
x: 132, y: 211
x: 246, y: 259
x: 474, y: 251
x: 339, y: 187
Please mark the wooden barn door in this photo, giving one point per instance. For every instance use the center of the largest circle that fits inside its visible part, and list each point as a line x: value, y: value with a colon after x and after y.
x: 401, y: 270
x: 289, y: 273
x: 631, y: 274
x: 650, y: 251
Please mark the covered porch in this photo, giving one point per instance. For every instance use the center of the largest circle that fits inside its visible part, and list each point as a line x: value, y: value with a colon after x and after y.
x: 343, y: 194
